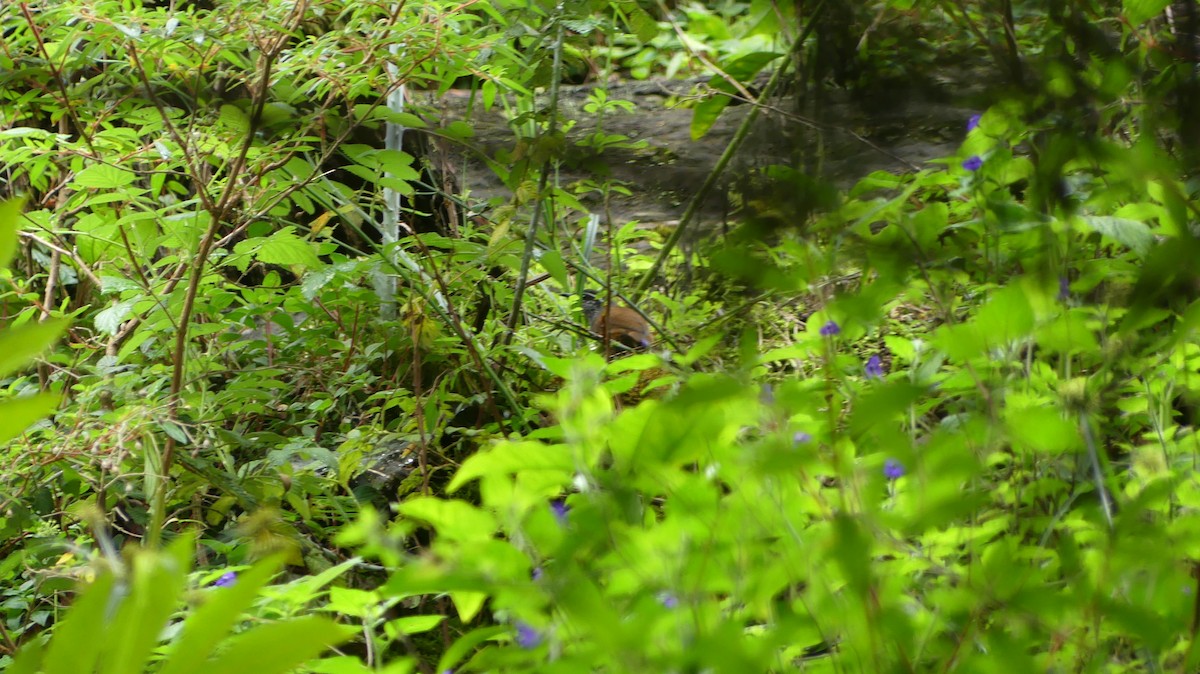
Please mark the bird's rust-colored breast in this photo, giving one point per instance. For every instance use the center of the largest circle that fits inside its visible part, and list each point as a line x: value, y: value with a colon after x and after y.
x: 623, y: 325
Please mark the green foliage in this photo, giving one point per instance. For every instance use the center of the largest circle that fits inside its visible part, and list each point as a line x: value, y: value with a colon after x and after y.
x: 119, y: 619
x: 938, y: 421
x: 19, y: 345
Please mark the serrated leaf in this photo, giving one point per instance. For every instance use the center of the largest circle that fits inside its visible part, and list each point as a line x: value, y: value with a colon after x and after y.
x: 397, y: 164
x: 235, y: 119
x: 641, y: 24
x: 287, y: 249
x: 109, y: 320
x: 1131, y: 233
x: 103, y: 176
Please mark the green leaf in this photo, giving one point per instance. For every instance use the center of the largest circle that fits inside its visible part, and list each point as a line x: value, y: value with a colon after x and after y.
x: 103, y: 176
x: 276, y: 648
x: 453, y: 519
x: 1041, y: 429
x: 705, y: 114
x: 19, y: 345
x: 413, y: 624
x: 879, y: 408
x: 156, y: 586
x: 18, y: 414
x: 467, y: 643
x: 10, y: 224
x: 397, y: 164
x: 699, y: 350
x: 852, y: 551
x: 1068, y: 333
x: 28, y: 660
x: 458, y: 130
x: 110, y: 319
x: 511, y: 457
x: 468, y: 604
x: 1133, y: 234
x: 643, y: 26
x: 287, y: 249
x: 352, y: 602
x: 214, y: 619
x: 742, y: 69
x: 235, y: 119
x: 78, y: 639
x: 1138, y: 12
x: 1006, y: 317
x: 552, y: 262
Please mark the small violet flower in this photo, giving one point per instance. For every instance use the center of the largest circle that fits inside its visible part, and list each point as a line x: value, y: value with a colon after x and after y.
x: 668, y: 600
x: 537, y: 573
x: 973, y: 122
x: 973, y: 163
x: 800, y: 437
x: 830, y: 329
x: 874, y: 367
x: 560, y: 509
x: 225, y: 580
x: 1064, y: 289
x: 527, y: 637
x: 892, y: 469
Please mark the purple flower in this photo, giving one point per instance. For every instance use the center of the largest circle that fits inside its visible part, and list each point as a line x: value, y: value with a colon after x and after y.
x: 1064, y: 289
x: 892, y: 469
x: 527, y: 637
x: 973, y: 122
x: 973, y: 163
x: 537, y: 573
x: 800, y: 437
x: 668, y: 600
x: 830, y: 329
x: 874, y: 367
x: 560, y: 509
x: 767, y: 395
x: 225, y: 580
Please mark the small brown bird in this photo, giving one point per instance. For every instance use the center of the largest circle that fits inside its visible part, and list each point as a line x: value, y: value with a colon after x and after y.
x: 619, y: 324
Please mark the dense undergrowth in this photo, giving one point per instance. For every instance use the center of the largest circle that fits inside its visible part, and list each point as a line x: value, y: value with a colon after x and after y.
x: 941, y: 421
